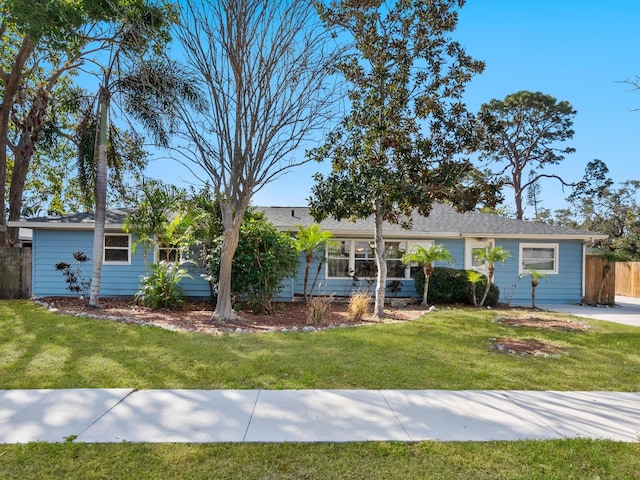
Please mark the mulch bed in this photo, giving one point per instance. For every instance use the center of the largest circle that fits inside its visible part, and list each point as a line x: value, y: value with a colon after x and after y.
x: 196, y: 316
x: 525, y: 346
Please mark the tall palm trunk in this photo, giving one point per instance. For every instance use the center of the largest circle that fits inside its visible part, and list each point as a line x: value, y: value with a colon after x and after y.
x: 101, y: 199
x: 427, y: 275
x: 490, y: 272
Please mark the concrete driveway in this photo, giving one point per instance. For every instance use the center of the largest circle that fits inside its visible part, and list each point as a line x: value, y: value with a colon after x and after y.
x: 626, y: 311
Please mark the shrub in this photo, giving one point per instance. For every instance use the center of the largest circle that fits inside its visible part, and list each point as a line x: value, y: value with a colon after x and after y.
x: 264, y: 258
x: 75, y: 282
x: 450, y: 286
x: 359, y: 304
x: 318, y: 307
x: 161, y: 289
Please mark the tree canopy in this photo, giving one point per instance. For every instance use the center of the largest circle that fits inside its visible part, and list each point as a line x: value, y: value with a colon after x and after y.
x: 523, y: 135
x: 399, y: 147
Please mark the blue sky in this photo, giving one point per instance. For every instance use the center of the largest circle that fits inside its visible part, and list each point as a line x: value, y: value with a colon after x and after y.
x: 575, y: 50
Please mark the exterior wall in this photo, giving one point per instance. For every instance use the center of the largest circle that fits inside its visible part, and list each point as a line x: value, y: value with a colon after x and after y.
x: 53, y: 246
x: 563, y: 287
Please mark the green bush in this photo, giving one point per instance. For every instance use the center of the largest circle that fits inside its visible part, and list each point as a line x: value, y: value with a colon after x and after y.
x: 264, y: 258
x: 451, y: 285
x: 161, y: 289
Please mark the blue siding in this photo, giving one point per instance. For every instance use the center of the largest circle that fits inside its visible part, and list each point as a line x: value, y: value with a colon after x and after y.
x: 563, y: 287
x: 53, y: 246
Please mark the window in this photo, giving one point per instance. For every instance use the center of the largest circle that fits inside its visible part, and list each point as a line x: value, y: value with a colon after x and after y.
x: 541, y: 257
x: 116, y: 248
x: 167, y: 253
x: 338, y: 259
x: 358, y: 257
x: 474, y: 248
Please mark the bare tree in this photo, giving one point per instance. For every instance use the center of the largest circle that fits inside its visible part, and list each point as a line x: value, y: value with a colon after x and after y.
x: 267, y: 68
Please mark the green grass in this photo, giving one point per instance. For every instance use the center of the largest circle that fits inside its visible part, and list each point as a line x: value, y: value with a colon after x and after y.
x: 443, y: 350
x: 531, y: 460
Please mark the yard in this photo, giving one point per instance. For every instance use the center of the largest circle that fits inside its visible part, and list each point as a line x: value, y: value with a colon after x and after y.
x: 448, y: 349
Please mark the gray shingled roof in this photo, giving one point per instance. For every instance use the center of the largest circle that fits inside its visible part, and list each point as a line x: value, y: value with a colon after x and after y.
x: 442, y: 221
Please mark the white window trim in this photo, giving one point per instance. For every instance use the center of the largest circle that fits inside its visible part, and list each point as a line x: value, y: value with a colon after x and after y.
x: 104, y: 248
x: 556, y: 257
x: 156, y: 252
x: 352, y: 256
x: 469, y: 245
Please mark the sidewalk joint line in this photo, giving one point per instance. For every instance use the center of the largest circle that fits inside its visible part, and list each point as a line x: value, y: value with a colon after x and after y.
x: 395, y: 415
x: 253, y: 410
x: 132, y: 391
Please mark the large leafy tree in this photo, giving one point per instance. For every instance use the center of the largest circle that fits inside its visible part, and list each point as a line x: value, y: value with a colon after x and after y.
x: 522, y: 135
x: 42, y: 40
x: 398, y: 148
x: 265, y: 66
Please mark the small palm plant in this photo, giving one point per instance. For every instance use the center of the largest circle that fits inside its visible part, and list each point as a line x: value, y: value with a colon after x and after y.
x: 425, y: 257
x: 535, y: 280
x: 309, y: 240
x: 475, y: 277
x: 490, y: 256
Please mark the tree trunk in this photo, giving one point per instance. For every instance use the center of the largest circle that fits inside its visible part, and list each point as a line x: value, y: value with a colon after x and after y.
x: 11, y: 83
x: 533, y: 294
x: 31, y: 130
x: 315, y: 279
x: 224, y: 306
x: 381, y: 263
x: 309, y: 259
x: 490, y: 271
x: 605, y: 273
x: 427, y: 276
x: 101, y: 200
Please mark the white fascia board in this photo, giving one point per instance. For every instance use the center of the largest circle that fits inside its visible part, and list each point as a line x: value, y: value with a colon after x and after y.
x: 520, y: 236
x: 62, y: 226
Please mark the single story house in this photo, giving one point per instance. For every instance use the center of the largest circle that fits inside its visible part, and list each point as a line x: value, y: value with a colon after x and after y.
x: 559, y: 252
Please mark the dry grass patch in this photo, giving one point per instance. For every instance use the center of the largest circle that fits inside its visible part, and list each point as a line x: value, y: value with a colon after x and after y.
x: 541, y: 321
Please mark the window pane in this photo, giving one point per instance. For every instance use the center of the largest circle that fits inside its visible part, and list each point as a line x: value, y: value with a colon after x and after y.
x: 116, y: 241
x: 338, y: 267
x: 540, y: 259
x: 365, y: 268
x: 476, y: 252
x: 395, y: 269
x: 116, y: 255
x: 363, y: 250
x: 340, y: 250
x: 395, y: 250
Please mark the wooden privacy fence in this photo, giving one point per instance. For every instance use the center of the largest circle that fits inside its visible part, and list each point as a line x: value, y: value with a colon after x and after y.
x: 15, y: 273
x: 628, y: 279
x: 593, y: 276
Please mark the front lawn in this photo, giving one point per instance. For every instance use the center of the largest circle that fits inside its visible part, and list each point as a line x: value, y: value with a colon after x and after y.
x: 448, y: 349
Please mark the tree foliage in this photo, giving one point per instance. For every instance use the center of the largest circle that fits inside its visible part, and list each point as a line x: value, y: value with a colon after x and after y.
x: 264, y: 258
x: 425, y: 257
x: 265, y: 66
x: 523, y: 136
x: 399, y: 147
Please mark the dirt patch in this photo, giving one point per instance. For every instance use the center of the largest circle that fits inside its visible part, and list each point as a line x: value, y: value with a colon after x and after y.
x: 520, y: 346
x: 196, y: 316
x: 546, y: 323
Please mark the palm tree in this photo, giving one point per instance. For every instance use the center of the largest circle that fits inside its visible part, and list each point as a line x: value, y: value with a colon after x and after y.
x: 475, y: 277
x: 148, y: 90
x: 309, y: 240
x: 490, y: 256
x: 535, y: 280
x: 425, y: 257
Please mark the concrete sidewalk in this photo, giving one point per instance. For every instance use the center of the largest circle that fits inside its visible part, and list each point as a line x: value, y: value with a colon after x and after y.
x: 196, y: 416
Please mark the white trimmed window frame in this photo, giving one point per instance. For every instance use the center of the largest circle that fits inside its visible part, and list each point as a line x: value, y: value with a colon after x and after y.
x: 106, y: 248
x: 350, y: 246
x: 555, y: 247
x: 470, y: 246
